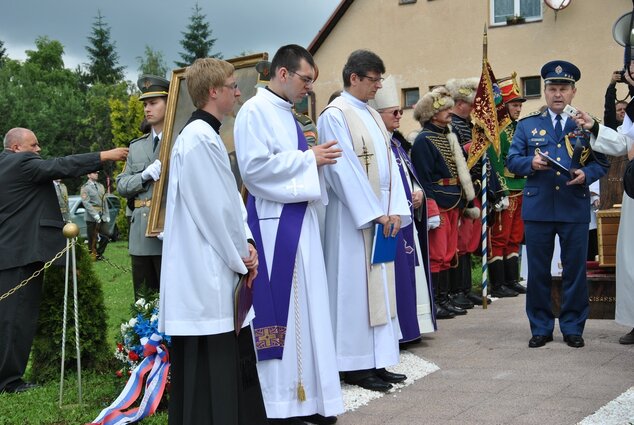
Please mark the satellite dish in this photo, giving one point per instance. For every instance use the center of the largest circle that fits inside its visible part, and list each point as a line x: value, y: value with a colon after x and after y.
x: 622, y: 32
x: 557, y: 5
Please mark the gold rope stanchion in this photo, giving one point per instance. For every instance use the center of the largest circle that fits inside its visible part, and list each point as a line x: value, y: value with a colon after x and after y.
x: 71, y: 230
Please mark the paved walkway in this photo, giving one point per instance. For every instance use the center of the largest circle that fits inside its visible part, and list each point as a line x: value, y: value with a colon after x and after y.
x: 488, y: 375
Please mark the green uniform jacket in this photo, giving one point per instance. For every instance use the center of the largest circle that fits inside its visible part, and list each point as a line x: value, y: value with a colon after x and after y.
x: 509, y: 180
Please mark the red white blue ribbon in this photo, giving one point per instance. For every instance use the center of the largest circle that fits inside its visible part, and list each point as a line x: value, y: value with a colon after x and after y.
x: 156, y: 366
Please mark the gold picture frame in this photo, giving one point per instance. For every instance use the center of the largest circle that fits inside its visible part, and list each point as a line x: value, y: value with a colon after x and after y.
x: 179, y: 109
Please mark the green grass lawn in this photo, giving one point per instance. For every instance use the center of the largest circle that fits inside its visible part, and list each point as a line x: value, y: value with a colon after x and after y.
x: 41, y: 405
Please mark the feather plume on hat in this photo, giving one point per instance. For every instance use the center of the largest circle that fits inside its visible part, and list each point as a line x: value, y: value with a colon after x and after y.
x: 463, y: 88
x: 434, y: 101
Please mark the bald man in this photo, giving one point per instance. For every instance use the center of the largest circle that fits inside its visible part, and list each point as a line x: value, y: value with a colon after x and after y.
x: 30, y: 234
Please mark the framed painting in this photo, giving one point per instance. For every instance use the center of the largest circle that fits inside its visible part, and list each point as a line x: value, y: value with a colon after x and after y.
x: 179, y: 109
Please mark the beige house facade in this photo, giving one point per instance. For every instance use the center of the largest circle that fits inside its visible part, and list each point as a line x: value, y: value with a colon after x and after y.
x: 426, y: 42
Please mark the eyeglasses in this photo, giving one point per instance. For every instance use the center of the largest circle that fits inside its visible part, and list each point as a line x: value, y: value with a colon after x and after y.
x: 233, y: 86
x: 307, y: 80
x: 395, y: 112
x: 373, y: 79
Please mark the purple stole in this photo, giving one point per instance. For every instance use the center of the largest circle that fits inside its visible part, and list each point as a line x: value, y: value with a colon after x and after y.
x: 271, y: 297
x: 406, y: 258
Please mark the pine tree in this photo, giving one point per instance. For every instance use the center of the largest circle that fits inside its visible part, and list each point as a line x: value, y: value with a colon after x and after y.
x: 104, y: 61
x: 196, y: 41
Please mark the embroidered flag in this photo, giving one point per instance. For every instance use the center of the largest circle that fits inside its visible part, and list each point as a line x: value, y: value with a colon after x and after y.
x: 489, y: 116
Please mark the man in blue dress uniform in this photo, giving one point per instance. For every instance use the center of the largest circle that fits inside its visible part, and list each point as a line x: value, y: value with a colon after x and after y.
x: 555, y: 203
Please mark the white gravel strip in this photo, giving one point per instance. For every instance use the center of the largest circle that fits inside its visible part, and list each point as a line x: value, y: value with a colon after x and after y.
x: 412, y: 366
x: 619, y: 411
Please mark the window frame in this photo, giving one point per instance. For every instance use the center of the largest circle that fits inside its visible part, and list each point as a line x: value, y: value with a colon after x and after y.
x: 404, y: 92
x: 523, y: 81
x: 516, y: 9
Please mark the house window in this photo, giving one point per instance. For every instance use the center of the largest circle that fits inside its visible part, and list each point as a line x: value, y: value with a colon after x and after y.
x: 410, y: 97
x: 532, y: 87
x: 525, y: 10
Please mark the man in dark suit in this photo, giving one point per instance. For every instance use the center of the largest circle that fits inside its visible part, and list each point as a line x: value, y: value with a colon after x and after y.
x: 30, y: 234
x: 556, y: 202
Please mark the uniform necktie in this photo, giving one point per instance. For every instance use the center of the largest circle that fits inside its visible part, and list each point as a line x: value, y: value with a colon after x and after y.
x: 558, y: 130
x: 156, y: 140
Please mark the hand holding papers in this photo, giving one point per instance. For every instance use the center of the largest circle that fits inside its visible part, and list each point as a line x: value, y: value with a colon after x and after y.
x: 552, y: 163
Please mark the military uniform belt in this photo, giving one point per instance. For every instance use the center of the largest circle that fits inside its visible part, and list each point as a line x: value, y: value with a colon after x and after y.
x: 448, y: 182
x: 97, y: 208
x: 138, y: 203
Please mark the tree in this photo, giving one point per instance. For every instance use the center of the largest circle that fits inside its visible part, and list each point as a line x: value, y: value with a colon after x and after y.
x: 196, y: 41
x: 48, y: 55
x: 104, y: 61
x: 3, y: 53
x: 152, y: 63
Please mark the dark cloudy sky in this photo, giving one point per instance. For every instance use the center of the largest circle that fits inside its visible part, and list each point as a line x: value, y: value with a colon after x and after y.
x: 239, y: 25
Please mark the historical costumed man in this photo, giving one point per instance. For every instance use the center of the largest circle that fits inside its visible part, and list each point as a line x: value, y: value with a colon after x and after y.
x: 507, y: 230
x: 30, y: 234
x: 293, y: 335
x: 620, y: 143
x: 136, y: 183
x: 441, y: 166
x: 214, y: 376
x: 93, y: 197
x: 411, y: 266
x: 365, y: 188
x: 556, y: 202
x: 463, y: 91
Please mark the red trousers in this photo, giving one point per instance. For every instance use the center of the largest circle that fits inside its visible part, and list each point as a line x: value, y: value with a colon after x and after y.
x: 470, y: 233
x: 508, y: 230
x: 443, y: 241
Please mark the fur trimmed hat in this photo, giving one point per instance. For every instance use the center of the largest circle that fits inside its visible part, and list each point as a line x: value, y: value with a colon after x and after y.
x: 463, y: 88
x: 434, y: 101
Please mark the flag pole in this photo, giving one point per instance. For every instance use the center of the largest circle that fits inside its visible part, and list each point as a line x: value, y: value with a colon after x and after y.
x: 485, y: 271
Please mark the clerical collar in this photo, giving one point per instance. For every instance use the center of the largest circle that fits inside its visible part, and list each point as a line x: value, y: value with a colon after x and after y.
x: 283, y: 98
x: 199, y: 114
x: 353, y: 100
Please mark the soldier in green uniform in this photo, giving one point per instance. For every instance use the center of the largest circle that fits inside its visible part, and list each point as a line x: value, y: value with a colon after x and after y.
x: 507, y: 231
x: 93, y: 196
x: 136, y: 182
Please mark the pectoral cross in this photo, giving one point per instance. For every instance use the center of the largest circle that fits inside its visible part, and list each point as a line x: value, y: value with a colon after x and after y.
x: 366, y: 157
x: 294, y: 186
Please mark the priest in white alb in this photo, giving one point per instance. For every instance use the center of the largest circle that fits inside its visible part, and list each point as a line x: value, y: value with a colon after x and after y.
x: 364, y: 188
x: 205, y: 248
x: 619, y: 143
x: 293, y: 336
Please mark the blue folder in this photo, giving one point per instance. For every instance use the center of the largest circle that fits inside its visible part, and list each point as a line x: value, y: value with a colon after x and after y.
x: 383, y: 249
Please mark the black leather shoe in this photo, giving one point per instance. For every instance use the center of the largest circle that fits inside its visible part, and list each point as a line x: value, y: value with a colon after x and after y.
x: 454, y: 309
x: 19, y: 387
x: 503, y: 292
x: 574, y: 341
x: 443, y: 313
x: 286, y: 421
x: 391, y: 377
x: 627, y: 338
x: 373, y: 383
x: 539, y: 340
x: 460, y: 300
x: 516, y: 286
x: 319, y: 419
x: 477, y: 298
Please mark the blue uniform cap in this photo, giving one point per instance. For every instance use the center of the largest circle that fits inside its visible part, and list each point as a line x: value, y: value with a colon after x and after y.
x: 560, y: 72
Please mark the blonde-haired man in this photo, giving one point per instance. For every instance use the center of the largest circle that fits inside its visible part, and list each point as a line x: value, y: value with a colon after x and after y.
x: 205, y: 247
